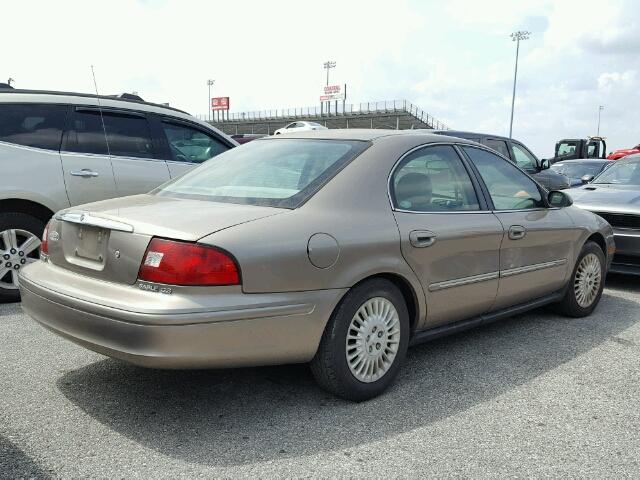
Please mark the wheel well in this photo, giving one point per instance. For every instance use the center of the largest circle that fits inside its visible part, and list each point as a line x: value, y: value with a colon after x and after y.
x: 26, y: 206
x: 599, y: 239
x: 407, y: 291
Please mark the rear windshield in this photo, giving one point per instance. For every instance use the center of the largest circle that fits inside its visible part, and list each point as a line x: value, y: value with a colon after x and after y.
x: 275, y: 172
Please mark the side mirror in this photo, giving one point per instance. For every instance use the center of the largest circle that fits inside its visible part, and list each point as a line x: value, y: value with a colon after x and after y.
x: 587, y: 178
x: 559, y: 199
x: 545, y: 164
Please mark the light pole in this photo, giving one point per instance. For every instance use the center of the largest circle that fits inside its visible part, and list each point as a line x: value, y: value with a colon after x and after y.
x: 328, y: 65
x: 600, y: 108
x: 516, y: 37
x: 210, y: 84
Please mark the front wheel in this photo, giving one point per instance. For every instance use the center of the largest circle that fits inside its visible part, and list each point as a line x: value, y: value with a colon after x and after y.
x: 364, y: 342
x: 586, y: 284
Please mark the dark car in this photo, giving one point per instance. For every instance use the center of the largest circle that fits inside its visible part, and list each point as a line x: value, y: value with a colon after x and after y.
x: 614, y: 196
x: 581, y: 171
x: 243, y: 138
x: 519, y: 154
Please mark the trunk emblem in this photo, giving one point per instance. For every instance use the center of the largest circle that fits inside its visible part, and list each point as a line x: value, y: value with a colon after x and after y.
x: 54, y: 236
x: 117, y: 253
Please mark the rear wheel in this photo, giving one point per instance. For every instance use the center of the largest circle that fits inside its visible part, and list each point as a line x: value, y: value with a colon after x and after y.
x: 586, y: 284
x: 364, y: 342
x: 19, y: 245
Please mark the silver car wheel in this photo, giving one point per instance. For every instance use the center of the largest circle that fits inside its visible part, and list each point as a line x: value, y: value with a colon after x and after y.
x: 587, y: 280
x: 372, y: 339
x: 17, y: 249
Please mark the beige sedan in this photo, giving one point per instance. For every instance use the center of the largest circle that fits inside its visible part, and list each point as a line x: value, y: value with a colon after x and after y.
x: 338, y: 248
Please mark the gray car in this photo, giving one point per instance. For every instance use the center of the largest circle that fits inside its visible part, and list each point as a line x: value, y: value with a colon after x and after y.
x: 64, y: 149
x: 614, y: 196
x: 337, y: 247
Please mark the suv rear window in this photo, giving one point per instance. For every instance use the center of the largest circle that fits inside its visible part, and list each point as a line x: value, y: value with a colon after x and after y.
x: 32, y: 124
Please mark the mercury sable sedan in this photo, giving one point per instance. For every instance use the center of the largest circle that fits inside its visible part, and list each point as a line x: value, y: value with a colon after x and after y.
x: 338, y: 248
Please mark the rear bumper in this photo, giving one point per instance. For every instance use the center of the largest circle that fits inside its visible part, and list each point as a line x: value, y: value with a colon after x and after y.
x: 279, y: 331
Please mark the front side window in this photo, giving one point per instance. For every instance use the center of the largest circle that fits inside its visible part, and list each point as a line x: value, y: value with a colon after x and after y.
x: 275, y: 172
x: 32, y: 125
x: 524, y: 159
x: 433, y: 179
x: 567, y: 148
x: 509, y: 188
x: 499, y: 146
x: 127, y: 136
x: 191, y: 145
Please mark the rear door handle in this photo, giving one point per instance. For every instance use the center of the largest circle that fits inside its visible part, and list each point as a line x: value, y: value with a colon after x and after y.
x: 516, y: 232
x: 84, y: 173
x: 422, y: 238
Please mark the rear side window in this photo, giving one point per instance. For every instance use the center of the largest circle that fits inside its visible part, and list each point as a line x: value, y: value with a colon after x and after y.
x: 128, y: 136
x: 32, y: 125
x: 499, y: 146
x: 191, y: 145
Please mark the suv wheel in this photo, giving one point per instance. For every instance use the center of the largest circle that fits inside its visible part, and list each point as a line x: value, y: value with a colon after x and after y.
x: 364, y: 342
x: 19, y: 245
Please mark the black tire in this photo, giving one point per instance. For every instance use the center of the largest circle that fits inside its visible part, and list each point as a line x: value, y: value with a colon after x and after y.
x: 21, y: 221
x: 330, y: 367
x: 569, y: 304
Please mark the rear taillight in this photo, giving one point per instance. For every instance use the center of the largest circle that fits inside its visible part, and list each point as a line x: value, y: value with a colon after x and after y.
x: 44, y: 245
x: 182, y: 263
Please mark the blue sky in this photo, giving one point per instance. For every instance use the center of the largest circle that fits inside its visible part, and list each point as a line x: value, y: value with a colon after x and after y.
x: 454, y: 59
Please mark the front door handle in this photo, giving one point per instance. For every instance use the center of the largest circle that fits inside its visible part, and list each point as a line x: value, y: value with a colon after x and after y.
x: 84, y: 173
x: 422, y: 238
x: 516, y: 232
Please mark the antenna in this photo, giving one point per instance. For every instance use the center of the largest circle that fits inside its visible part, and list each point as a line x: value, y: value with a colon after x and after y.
x: 104, y: 129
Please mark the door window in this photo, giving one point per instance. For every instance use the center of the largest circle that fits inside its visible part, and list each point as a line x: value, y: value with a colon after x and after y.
x: 128, y: 136
x: 433, y: 179
x: 509, y: 188
x: 567, y: 148
x: 499, y: 146
x: 32, y: 125
x: 190, y: 145
x: 524, y: 159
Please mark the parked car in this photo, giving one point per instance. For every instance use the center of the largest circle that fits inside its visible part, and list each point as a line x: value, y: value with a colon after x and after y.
x: 614, y: 196
x: 338, y: 248
x: 581, y: 171
x: 63, y: 149
x: 243, y: 138
x: 299, y: 127
x: 616, y: 155
x: 517, y: 153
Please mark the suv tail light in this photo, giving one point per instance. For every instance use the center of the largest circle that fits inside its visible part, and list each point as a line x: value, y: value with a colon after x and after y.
x: 44, y: 244
x: 182, y: 263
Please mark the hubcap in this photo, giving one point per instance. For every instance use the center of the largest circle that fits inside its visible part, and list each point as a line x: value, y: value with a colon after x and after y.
x: 17, y: 249
x: 587, y: 280
x: 372, y: 339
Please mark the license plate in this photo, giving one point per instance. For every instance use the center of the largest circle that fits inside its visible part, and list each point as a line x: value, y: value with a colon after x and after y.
x: 91, y: 243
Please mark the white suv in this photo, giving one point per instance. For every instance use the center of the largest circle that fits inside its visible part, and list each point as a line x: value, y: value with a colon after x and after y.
x: 63, y: 149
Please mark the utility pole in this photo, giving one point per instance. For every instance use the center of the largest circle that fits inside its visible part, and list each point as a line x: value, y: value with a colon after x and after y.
x: 210, y: 84
x: 516, y: 37
x: 600, y: 108
x: 328, y: 65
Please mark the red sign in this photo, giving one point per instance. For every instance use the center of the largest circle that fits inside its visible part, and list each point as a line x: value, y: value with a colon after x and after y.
x: 220, y: 103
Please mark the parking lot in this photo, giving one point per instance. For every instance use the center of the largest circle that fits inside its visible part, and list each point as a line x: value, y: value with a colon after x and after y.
x: 537, y: 395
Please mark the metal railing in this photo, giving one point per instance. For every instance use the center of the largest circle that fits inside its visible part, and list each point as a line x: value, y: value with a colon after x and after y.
x: 333, y: 111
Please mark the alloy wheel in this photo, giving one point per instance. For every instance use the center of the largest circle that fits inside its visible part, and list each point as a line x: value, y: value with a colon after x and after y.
x: 17, y: 249
x: 587, y: 280
x: 373, y: 338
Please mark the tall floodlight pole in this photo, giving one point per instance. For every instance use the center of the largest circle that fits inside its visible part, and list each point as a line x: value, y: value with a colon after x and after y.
x: 210, y: 84
x: 600, y: 108
x: 516, y: 37
x: 328, y: 65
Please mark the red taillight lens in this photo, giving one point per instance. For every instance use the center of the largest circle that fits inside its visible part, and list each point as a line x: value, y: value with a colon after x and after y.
x: 44, y: 245
x: 182, y: 263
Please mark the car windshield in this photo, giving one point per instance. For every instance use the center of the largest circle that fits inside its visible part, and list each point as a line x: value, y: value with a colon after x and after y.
x: 577, y: 169
x: 274, y: 172
x: 621, y: 173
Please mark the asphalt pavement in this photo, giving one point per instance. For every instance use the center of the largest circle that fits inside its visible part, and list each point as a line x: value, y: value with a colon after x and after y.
x: 537, y: 395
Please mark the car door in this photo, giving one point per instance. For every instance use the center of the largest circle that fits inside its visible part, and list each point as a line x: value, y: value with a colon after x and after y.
x: 448, y: 235
x: 537, y: 244
x: 137, y: 166
x: 187, y: 145
x: 88, y: 173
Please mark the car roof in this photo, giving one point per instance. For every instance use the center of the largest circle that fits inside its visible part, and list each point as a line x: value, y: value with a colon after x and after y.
x: 363, y: 134
x: 584, y: 160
